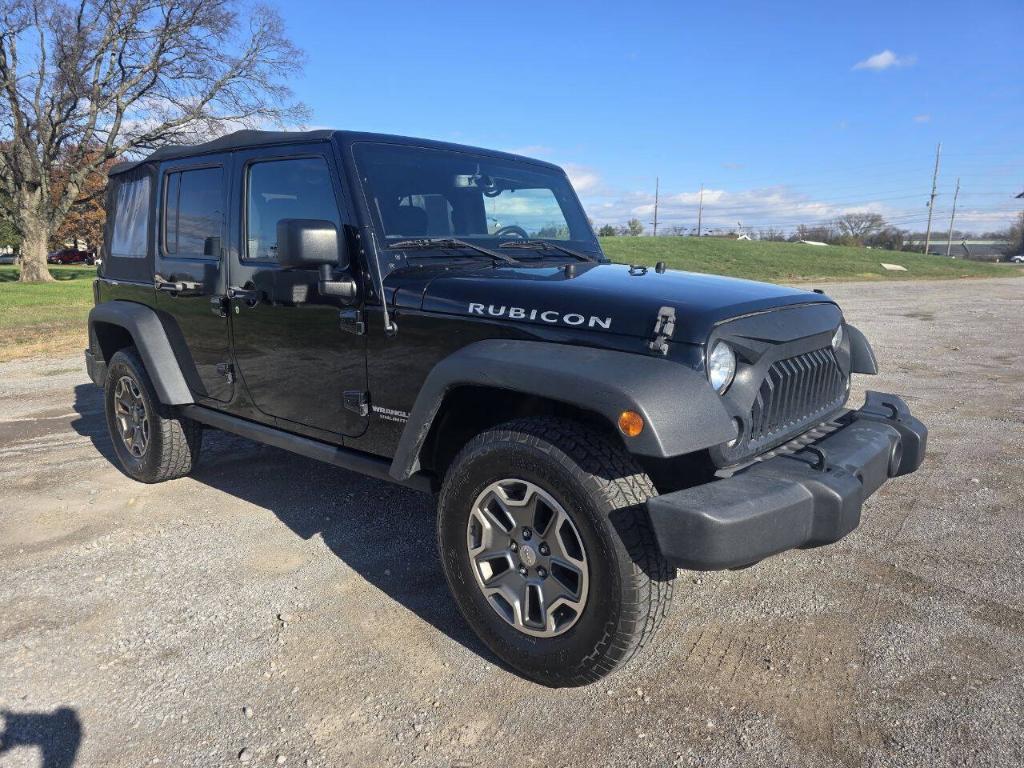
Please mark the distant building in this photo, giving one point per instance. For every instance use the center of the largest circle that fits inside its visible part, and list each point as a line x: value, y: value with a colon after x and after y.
x: 976, y: 250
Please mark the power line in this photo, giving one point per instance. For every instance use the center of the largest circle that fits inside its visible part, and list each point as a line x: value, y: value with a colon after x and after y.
x: 657, y: 184
x: 949, y: 236
x: 700, y: 210
x: 931, y: 200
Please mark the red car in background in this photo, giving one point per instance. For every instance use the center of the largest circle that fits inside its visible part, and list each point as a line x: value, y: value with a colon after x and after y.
x: 71, y: 256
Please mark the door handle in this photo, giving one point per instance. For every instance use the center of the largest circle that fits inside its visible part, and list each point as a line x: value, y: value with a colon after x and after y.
x: 250, y: 297
x: 176, y: 287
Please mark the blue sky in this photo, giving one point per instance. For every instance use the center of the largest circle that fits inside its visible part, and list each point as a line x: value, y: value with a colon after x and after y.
x: 763, y: 103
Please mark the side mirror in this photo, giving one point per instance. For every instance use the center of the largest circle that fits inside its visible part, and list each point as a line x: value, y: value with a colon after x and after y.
x: 316, y: 243
x: 310, y: 243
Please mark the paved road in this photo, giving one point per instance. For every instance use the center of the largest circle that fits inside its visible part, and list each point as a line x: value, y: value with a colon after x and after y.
x: 137, y: 623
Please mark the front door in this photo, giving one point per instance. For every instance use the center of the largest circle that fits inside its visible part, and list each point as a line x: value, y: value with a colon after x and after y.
x: 189, y: 272
x: 299, y: 365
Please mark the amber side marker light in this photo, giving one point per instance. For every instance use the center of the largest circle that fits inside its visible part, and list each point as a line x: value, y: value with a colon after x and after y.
x: 631, y: 423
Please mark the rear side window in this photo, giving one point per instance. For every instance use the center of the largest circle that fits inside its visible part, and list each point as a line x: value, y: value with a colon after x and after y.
x: 131, y: 219
x: 193, y: 212
x: 285, y: 189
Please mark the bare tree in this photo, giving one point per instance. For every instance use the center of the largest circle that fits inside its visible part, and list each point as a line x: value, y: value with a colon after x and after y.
x: 857, y: 226
x: 89, y: 81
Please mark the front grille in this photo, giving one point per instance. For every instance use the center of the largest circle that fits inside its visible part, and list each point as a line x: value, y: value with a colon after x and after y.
x: 795, y: 391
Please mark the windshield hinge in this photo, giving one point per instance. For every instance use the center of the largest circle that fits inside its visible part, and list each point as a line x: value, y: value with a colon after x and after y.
x: 227, y: 370
x: 357, y: 401
x: 664, y: 327
x: 351, y: 320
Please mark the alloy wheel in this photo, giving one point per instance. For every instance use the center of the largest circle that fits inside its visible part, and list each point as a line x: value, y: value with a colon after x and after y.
x: 131, y: 415
x: 528, y: 558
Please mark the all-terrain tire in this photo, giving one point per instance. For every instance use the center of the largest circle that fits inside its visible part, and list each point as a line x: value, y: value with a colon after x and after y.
x: 603, y: 491
x: 172, y: 442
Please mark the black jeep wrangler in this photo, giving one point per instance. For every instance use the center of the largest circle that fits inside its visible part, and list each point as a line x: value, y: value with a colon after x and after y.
x: 443, y: 317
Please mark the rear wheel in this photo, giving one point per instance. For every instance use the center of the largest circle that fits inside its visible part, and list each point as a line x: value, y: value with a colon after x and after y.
x: 547, y: 548
x: 152, y: 443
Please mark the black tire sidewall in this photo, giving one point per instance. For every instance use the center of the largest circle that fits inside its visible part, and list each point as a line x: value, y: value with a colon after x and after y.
x: 142, y: 468
x: 549, y: 660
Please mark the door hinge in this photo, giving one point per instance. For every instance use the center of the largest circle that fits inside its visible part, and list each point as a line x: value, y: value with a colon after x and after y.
x: 227, y: 370
x: 352, y: 321
x: 664, y: 327
x: 357, y: 401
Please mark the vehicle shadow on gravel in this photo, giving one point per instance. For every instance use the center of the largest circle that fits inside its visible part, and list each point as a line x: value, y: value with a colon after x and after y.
x: 382, y: 531
x: 57, y: 735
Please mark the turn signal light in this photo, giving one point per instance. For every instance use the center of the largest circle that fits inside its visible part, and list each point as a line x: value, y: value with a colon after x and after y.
x: 631, y: 423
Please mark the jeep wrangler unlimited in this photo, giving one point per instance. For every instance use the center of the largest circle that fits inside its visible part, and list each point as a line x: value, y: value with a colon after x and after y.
x: 443, y: 317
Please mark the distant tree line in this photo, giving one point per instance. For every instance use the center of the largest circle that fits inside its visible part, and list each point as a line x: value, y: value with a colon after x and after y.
x: 857, y: 229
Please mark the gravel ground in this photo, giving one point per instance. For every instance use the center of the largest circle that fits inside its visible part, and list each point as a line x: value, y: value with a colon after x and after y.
x: 273, y: 610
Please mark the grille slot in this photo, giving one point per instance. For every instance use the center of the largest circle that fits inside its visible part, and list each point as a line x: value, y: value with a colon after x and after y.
x: 795, y: 390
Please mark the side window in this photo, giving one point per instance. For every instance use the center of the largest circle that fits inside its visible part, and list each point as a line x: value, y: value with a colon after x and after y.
x: 285, y: 189
x: 193, y: 211
x: 131, y: 220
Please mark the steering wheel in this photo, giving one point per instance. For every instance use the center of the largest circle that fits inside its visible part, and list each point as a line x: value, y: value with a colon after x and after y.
x: 512, y: 229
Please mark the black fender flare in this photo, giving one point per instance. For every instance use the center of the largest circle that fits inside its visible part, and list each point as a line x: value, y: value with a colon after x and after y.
x: 862, y: 356
x: 681, y: 412
x: 151, y: 340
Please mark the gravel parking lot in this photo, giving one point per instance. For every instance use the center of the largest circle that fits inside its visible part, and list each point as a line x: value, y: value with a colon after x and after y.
x: 270, y: 609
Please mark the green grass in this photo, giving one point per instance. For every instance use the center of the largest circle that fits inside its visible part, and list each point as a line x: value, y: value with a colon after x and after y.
x: 791, y: 262
x: 46, y: 318
x: 49, y: 319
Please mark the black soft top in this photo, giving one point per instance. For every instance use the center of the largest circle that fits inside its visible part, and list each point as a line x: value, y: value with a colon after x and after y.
x: 248, y: 139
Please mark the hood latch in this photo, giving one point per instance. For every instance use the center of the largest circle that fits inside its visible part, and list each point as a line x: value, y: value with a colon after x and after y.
x: 664, y: 327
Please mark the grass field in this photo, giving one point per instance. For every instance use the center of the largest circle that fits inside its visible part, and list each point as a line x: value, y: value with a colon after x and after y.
x: 791, y: 262
x: 47, y: 319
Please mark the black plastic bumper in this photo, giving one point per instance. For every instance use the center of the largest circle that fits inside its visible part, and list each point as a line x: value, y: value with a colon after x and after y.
x: 96, y: 368
x: 805, y: 499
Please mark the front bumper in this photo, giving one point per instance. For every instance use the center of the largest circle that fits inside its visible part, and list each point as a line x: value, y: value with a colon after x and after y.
x: 96, y: 368
x: 807, y: 498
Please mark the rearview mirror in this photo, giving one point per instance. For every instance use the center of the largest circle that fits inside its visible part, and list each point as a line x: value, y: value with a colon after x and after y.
x: 310, y: 243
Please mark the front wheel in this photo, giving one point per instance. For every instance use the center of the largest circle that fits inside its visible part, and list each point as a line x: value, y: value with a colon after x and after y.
x: 152, y: 443
x: 547, y: 548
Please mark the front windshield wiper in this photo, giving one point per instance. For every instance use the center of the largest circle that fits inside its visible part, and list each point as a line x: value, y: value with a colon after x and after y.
x: 544, y: 245
x: 451, y: 242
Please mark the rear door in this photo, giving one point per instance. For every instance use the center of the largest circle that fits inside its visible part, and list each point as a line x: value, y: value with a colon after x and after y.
x: 190, y: 274
x: 299, y: 364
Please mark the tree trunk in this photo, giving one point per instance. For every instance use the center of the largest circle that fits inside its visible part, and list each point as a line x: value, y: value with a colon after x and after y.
x: 35, y: 238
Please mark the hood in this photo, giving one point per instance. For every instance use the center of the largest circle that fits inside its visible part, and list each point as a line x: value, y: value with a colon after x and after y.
x: 605, y: 297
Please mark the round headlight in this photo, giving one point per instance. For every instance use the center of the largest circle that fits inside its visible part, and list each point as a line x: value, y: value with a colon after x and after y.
x: 721, y: 366
x: 837, y: 337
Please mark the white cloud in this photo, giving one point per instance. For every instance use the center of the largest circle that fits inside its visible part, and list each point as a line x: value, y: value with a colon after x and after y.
x: 584, y: 180
x: 777, y: 206
x: 922, y: 118
x: 885, y: 60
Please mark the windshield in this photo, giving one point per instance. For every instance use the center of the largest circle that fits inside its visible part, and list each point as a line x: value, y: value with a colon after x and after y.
x: 416, y: 192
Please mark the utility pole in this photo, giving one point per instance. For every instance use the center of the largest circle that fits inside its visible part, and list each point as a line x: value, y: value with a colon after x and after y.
x: 931, y: 200
x: 657, y: 183
x: 949, y: 237
x: 700, y: 209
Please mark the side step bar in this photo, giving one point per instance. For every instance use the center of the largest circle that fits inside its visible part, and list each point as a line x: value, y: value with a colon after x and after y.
x: 357, y: 461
